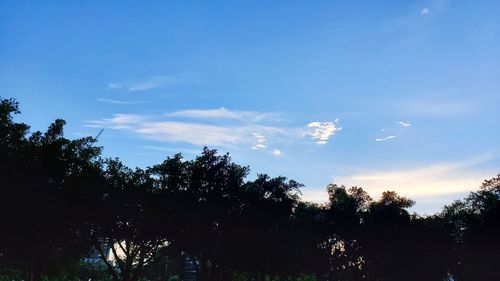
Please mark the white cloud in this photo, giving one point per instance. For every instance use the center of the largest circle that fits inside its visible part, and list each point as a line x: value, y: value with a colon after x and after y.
x: 189, y: 132
x: 385, y: 138
x: 260, y: 140
x: 223, y: 113
x: 153, y: 82
x: 249, y: 133
x: 117, y: 101
x: 259, y: 146
x: 277, y: 152
x: 403, y: 124
x: 194, y: 133
x: 394, y: 130
x: 118, y: 122
x: 323, y: 131
x: 424, y: 11
x: 422, y: 182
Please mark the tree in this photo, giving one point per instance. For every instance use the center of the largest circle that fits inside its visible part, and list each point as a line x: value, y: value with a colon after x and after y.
x: 205, y: 196
x: 128, y: 222
x: 59, y: 199
x: 475, y: 222
x: 261, y: 238
x: 41, y: 231
x: 309, y: 236
x: 346, y: 214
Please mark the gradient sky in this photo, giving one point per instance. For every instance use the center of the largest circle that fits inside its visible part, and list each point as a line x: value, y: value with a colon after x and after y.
x: 399, y: 95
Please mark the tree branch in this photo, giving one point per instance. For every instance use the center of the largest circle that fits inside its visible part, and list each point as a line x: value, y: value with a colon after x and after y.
x: 110, y: 267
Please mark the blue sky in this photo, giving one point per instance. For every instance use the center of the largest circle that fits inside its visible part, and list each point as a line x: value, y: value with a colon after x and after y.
x: 399, y: 95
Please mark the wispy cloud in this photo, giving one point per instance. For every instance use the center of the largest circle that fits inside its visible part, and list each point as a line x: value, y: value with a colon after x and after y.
x: 385, y: 138
x: 250, y: 133
x: 223, y: 113
x: 117, y: 122
x: 393, y: 130
x: 259, y: 141
x: 323, y: 131
x: 189, y: 132
x: 424, y: 11
x: 276, y: 152
x: 153, y: 82
x: 403, y: 124
x: 424, y: 181
x: 194, y: 133
x: 104, y: 100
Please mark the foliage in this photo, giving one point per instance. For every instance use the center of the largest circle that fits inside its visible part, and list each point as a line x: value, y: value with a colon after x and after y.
x: 60, y: 200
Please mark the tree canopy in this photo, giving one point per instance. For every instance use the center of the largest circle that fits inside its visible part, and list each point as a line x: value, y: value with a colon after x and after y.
x: 60, y: 200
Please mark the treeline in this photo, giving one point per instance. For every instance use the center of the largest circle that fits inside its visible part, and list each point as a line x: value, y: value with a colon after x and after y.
x: 60, y: 200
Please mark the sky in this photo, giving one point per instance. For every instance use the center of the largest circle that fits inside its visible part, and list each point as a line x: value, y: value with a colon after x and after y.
x: 387, y: 95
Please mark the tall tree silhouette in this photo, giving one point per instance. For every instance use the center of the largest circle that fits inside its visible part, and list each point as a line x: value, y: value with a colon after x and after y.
x: 129, y: 222
x: 59, y: 199
x: 40, y: 228
x: 476, y: 227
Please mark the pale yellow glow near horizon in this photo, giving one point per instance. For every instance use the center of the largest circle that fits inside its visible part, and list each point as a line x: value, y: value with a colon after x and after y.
x: 423, y: 184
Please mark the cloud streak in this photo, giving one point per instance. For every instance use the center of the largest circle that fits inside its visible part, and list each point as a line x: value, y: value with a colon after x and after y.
x: 395, y: 130
x: 104, y: 100
x: 198, y: 134
x: 385, y: 138
x: 248, y: 132
x: 403, y: 124
x: 223, y: 113
x: 259, y: 141
x: 153, y: 82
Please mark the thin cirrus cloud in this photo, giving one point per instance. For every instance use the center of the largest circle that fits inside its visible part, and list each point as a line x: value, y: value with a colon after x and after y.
x: 198, y: 134
x: 423, y: 181
x: 249, y: 132
x: 223, y: 113
x: 400, y: 127
x: 403, y: 124
x: 153, y: 82
x: 171, y: 131
x: 385, y: 138
x: 260, y: 141
x: 113, y: 101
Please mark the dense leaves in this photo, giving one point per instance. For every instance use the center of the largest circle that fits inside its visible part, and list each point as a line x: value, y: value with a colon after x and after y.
x: 60, y: 201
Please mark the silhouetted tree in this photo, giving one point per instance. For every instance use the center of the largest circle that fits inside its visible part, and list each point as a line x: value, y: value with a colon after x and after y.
x: 261, y: 237
x: 476, y: 227
x: 59, y: 199
x: 129, y: 221
x: 41, y: 231
x: 346, y: 214
x: 204, y: 195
